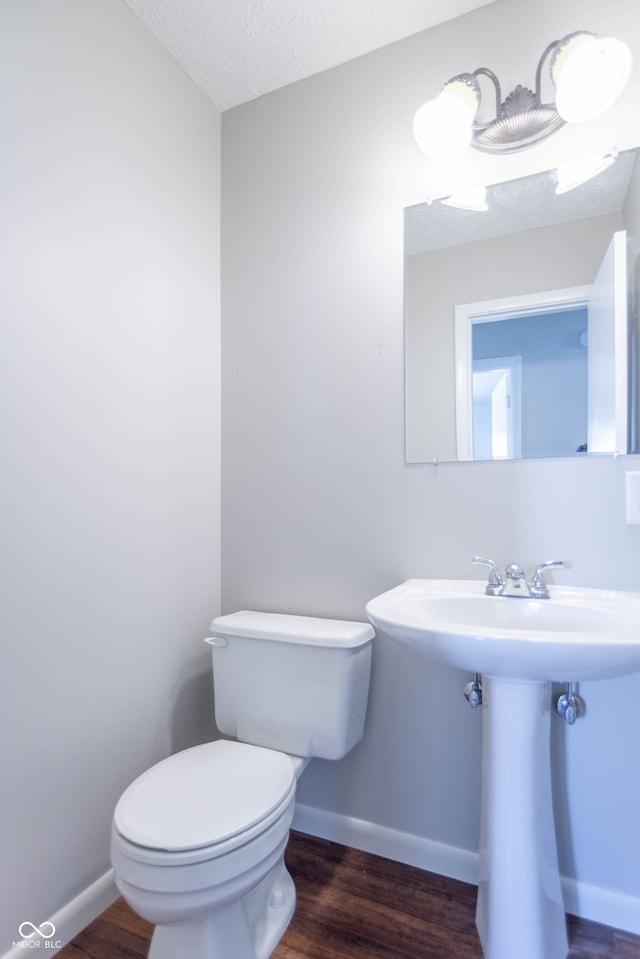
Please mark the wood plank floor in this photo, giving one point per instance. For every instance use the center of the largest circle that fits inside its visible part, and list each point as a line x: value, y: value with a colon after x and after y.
x: 352, y: 905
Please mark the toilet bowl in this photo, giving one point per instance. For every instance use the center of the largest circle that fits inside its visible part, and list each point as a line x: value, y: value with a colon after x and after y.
x: 197, y: 849
x: 198, y: 841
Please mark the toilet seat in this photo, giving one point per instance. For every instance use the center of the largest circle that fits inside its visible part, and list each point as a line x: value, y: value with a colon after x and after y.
x: 204, y: 802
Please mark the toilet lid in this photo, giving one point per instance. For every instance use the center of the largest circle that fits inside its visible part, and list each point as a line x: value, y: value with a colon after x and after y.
x: 203, y: 795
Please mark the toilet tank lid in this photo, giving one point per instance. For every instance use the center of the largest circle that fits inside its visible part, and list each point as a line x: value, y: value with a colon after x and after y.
x: 282, y: 627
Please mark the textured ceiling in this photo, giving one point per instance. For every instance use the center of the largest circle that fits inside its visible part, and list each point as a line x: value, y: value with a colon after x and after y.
x: 236, y: 50
x: 517, y: 205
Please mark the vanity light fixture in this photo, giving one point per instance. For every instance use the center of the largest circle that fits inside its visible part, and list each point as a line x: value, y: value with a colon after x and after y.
x: 588, y: 73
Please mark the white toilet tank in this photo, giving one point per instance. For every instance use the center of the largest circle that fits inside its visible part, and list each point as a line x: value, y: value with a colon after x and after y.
x: 292, y: 683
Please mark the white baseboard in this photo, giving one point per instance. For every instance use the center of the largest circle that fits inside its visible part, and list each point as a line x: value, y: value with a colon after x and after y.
x: 608, y: 906
x: 68, y: 921
x: 391, y: 843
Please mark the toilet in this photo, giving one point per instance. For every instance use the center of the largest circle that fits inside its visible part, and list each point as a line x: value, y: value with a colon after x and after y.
x: 198, y: 840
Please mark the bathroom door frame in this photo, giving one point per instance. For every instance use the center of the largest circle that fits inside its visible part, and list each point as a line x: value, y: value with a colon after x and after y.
x: 488, y: 311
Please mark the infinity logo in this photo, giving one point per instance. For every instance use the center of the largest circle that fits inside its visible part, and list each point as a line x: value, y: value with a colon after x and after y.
x: 37, y: 930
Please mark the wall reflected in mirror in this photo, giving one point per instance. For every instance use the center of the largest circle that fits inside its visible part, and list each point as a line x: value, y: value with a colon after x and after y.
x: 546, y: 387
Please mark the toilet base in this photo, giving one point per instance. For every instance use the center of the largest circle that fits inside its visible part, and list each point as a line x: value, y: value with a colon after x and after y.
x: 249, y: 928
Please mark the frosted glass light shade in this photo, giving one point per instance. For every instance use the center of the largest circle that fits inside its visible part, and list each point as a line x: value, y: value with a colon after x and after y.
x: 576, y: 172
x: 443, y: 127
x: 473, y: 198
x: 589, y: 73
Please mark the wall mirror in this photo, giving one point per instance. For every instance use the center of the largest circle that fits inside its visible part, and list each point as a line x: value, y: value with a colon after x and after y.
x: 517, y: 340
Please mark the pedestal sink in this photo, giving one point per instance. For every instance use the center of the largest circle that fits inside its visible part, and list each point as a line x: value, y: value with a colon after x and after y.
x: 520, y: 646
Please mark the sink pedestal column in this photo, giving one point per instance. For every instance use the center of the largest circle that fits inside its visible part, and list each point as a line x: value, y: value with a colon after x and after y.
x: 520, y: 910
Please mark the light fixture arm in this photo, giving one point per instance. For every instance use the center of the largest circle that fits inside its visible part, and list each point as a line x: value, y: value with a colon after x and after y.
x: 485, y: 72
x: 553, y: 46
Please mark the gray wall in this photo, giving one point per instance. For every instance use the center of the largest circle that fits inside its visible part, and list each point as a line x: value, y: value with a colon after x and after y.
x: 320, y: 512
x: 109, y: 391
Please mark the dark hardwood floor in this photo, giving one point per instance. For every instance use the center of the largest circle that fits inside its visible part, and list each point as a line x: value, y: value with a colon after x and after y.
x: 352, y: 905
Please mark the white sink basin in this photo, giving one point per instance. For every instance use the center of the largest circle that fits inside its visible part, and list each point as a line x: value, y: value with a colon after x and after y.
x: 577, y: 634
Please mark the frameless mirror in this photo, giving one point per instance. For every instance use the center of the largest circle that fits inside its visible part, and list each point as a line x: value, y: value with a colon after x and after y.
x: 517, y: 341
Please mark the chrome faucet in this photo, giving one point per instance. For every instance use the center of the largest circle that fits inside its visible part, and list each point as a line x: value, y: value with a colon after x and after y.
x: 514, y: 582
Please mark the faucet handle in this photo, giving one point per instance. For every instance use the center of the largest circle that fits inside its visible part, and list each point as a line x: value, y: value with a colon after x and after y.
x: 538, y: 588
x: 495, y: 585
